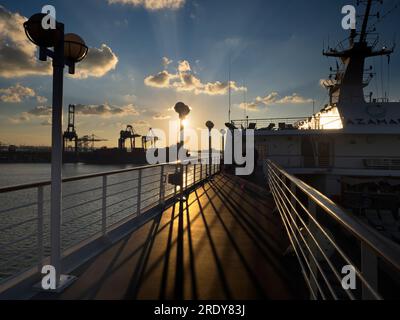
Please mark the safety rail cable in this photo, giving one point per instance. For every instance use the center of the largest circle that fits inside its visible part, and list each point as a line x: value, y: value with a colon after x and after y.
x: 383, y: 247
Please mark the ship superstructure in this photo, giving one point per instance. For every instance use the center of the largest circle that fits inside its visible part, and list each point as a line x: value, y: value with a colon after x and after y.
x: 350, y: 149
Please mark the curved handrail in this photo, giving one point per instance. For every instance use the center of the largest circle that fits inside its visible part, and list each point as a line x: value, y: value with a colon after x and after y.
x: 382, y: 246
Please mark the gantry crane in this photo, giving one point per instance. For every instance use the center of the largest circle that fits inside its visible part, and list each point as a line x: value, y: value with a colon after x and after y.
x: 70, y: 135
x: 152, y: 138
x: 86, y: 143
x: 128, y: 134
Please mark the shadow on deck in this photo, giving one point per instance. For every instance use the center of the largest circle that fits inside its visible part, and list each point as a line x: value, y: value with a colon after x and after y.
x: 227, y: 244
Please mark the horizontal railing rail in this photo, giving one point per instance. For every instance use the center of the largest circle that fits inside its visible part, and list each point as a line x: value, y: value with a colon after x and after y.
x: 301, y: 123
x: 92, y: 206
x: 325, y: 239
x: 339, y: 161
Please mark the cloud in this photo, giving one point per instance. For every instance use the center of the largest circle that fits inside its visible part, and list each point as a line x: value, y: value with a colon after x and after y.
x: 18, y: 55
x: 46, y: 123
x: 41, y: 99
x: 159, y: 116
x: 106, y: 110
x: 274, y: 99
x: 97, y: 63
x: 184, y: 66
x: 166, y: 62
x: 103, y: 110
x: 152, y: 4
x: 141, y: 123
x: 160, y: 80
x: 16, y: 94
x: 37, y: 112
x: 22, y: 118
x: 294, y: 99
x: 40, y: 111
x: 184, y: 80
x: 252, y: 106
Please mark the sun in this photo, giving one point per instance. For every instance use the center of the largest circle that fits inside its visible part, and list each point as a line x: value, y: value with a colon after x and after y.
x: 186, y: 123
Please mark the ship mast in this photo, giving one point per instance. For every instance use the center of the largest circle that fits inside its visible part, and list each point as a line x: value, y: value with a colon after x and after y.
x: 348, y: 85
x: 365, y: 22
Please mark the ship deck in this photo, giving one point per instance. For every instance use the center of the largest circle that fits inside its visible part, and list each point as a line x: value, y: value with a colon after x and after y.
x: 225, y: 244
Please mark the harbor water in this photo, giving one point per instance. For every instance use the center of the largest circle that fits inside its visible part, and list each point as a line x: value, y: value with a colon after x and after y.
x: 81, y: 213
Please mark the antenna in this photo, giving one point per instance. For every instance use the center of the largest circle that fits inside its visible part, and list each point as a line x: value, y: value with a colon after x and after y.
x: 245, y: 99
x: 229, y: 86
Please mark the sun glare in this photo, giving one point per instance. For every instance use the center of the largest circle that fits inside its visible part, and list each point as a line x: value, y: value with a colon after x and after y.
x: 186, y: 123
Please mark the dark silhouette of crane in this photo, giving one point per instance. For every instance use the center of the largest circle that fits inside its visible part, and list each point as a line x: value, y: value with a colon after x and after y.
x: 70, y: 135
x: 128, y: 134
x: 87, y: 143
x: 152, y: 138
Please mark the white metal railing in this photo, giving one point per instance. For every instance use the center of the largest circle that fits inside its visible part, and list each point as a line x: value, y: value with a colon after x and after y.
x: 294, y: 123
x: 325, y: 239
x: 93, y: 205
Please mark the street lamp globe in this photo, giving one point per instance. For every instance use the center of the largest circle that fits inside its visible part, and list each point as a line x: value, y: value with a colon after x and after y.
x: 75, y: 48
x: 223, y: 132
x: 182, y: 109
x: 45, y: 38
x: 210, y: 125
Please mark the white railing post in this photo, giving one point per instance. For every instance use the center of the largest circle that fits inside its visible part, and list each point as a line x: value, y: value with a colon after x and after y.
x: 369, y: 270
x: 162, y: 187
x: 104, y: 207
x: 40, y: 227
x: 312, y: 208
x: 139, y: 194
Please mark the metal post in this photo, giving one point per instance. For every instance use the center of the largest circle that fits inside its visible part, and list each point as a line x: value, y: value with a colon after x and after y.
x: 194, y: 174
x: 293, y: 200
x: 40, y: 228
x: 104, y: 206
x: 162, y: 187
x: 369, y: 269
x: 139, y: 194
x: 312, y: 208
x: 210, y: 152
x: 223, y: 149
x: 181, y: 146
x: 56, y: 157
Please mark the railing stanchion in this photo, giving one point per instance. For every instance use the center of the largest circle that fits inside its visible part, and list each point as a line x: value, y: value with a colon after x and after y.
x: 40, y: 227
x: 312, y: 208
x: 162, y: 187
x: 104, y: 207
x: 139, y: 194
x: 369, y: 269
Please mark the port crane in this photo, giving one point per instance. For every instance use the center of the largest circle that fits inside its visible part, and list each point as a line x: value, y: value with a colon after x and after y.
x: 86, y: 143
x: 70, y: 135
x: 152, y: 138
x: 128, y: 134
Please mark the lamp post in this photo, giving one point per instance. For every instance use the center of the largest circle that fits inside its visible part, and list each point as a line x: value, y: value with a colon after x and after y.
x: 210, y: 126
x: 183, y: 111
x: 69, y: 49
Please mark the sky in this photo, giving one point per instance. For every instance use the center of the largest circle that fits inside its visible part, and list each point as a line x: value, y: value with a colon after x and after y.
x: 146, y: 55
